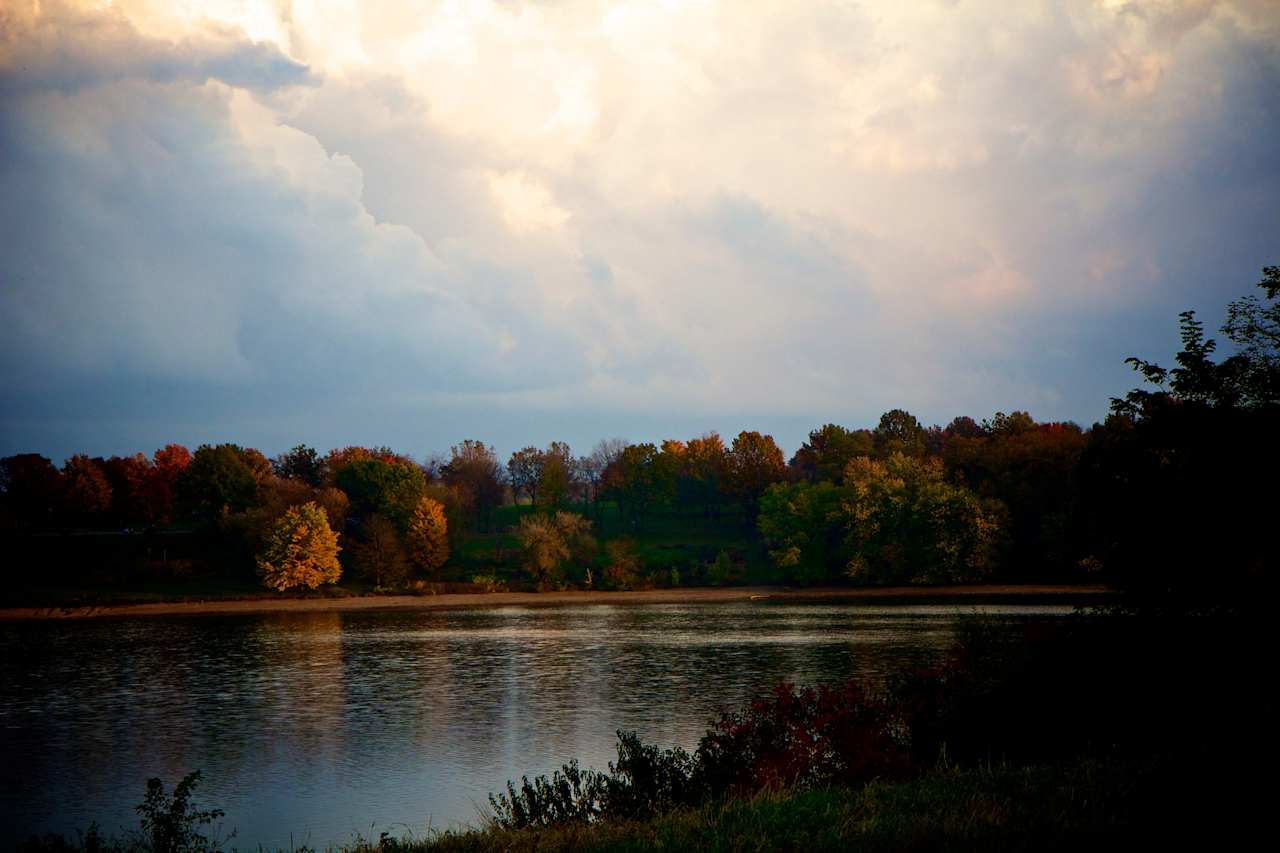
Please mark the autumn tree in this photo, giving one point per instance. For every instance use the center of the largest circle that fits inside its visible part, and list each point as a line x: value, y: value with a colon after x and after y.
x: 428, y: 535
x: 755, y: 463
x: 86, y: 493
x: 555, y: 477
x: 706, y: 476
x: 474, y: 471
x: 301, y: 551
x: 549, y: 540
x: 167, y: 464
x: 380, y: 556
x: 130, y: 479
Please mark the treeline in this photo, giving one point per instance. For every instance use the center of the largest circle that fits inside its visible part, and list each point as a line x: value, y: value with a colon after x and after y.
x: 1168, y: 492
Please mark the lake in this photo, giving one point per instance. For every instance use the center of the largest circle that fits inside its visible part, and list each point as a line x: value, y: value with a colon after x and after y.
x: 312, y: 727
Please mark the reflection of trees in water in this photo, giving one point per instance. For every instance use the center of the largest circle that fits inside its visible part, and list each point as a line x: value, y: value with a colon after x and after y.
x: 394, y: 715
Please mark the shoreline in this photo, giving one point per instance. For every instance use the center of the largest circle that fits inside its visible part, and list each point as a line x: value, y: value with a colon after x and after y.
x: 976, y: 593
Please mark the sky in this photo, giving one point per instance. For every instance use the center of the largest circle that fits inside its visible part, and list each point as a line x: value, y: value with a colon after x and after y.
x: 410, y: 223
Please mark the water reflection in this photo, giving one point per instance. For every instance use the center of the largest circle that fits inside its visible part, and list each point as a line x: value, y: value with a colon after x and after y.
x: 311, y: 727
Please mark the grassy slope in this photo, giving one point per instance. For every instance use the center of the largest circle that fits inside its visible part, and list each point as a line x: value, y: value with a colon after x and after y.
x: 1077, y: 806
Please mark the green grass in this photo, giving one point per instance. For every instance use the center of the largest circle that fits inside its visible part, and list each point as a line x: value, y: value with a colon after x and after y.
x: 1082, y: 805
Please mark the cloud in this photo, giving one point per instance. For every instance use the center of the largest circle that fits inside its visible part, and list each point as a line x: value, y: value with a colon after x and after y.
x: 583, y: 215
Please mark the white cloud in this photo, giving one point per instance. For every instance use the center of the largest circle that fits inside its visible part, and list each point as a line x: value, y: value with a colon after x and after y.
x: 820, y: 209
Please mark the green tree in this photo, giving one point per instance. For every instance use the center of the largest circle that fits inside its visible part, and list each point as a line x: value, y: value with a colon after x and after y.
x: 219, y: 479
x: 899, y: 432
x: 391, y: 489
x: 905, y: 524
x: 301, y: 550
x: 803, y: 526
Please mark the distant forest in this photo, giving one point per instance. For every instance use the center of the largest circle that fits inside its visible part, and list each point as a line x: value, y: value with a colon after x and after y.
x: 1170, y: 495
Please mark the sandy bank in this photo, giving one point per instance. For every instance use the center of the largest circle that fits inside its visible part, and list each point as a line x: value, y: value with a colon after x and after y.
x: 985, y: 592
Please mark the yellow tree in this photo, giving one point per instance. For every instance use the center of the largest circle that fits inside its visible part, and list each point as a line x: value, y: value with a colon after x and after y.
x: 301, y: 550
x: 429, y: 535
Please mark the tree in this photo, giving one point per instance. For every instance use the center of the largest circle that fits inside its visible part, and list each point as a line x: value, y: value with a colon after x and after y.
x: 167, y: 464
x: 380, y: 557
x: 549, y: 540
x: 631, y: 480
x: 301, y: 550
x: 803, y: 527
x: 388, y: 488
x: 524, y: 469
x: 555, y: 477
x: 220, y: 479
x: 755, y: 463
x: 828, y: 450
x: 129, y: 478
x: 301, y: 463
x: 899, y: 432
x: 429, y: 535
x: 707, y: 477
x: 86, y: 492
x: 905, y: 524
x: 474, y: 470
x: 30, y: 486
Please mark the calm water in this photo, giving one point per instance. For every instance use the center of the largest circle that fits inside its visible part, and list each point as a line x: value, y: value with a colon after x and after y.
x: 310, y: 728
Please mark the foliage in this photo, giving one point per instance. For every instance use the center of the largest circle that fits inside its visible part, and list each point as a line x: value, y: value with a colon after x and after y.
x: 380, y: 556
x: 523, y: 470
x: 86, y: 492
x: 829, y: 449
x: 899, y: 432
x: 301, y: 463
x: 755, y: 462
x: 489, y: 583
x: 390, y: 489
x: 549, y: 540
x: 219, y: 479
x: 173, y: 824
x: 1249, y: 379
x: 301, y: 550
x: 631, y: 480
x: 720, y: 572
x: 803, y: 524
x: 473, y: 470
x: 905, y: 524
x: 622, y: 567
x: 429, y: 535
x: 31, y: 487
x: 555, y: 475
x: 809, y: 737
